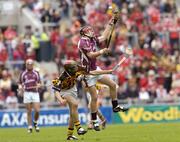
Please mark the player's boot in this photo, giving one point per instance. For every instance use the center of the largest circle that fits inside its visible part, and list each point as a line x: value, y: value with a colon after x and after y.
x: 30, y: 129
x: 72, y: 138
x: 96, y: 125
x: 103, y: 123
x: 36, y: 126
x: 81, y: 131
x: 120, y: 108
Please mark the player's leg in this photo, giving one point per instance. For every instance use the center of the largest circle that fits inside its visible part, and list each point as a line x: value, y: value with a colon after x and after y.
x: 102, y: 118
x: 28, y: 103
x: 99, y: 114
x: 73, y: 106
x: 113, y: 93
x: 93, y: 107
x: 70, y: 131
x: 88, y: 95
x: 29, y: 116
x: 36, y: 106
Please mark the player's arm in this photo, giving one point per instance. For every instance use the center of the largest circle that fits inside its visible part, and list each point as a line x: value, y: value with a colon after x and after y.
x: 20, y: 88
x: 109, y: 28
x: 97, y: 53
x: 99, y: 72
x: 106, y: 33
x: 39, y: 83
x: 59, y: 98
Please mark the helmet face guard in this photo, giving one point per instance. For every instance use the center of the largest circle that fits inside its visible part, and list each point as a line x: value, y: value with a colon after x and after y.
x: 87, y: 31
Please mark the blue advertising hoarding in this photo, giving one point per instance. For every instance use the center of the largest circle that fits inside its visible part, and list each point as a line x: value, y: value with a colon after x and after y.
x: 52, y: 117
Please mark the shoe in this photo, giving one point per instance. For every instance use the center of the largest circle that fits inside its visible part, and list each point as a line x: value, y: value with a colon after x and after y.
x: 29, y: 130
x: 103, y: 124
x: 81, y: 131
x: 120, y: 108
x: 36, y: 126
x: 72, y: 138
x: 96, y: 126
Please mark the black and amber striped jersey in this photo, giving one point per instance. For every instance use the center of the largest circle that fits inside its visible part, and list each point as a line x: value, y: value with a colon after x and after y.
x: 66, y: 81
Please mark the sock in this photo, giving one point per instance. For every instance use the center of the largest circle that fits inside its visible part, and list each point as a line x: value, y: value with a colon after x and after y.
x: 77, y: 124
x: 30, y: 127
x: 93, y: 116
x: 100, y: 115
x: 114, y: 103
x: 70, y: 132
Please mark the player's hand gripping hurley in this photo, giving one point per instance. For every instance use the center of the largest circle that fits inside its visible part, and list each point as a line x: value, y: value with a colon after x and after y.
x: 115, y: 19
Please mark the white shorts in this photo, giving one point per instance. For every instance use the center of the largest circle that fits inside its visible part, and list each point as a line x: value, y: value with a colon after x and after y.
x: 91, y: 80
x: 31, y: 97
x: 71, y: 92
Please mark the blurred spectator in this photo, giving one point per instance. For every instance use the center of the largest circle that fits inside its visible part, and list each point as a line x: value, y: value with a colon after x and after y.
x: 162, y: 95
x: 10, y: 33
x: 64, y: 9
x: 2, y: 99
x: 11, y: 101
x: 121, y: 93
x: 90, y: 7
x: 144, y: 95
x: 37, y: 38
x: 132, y: 89
x: 5, y: 83
x: 45, y: 14
x: 4, y: 55
x: 176, y: 83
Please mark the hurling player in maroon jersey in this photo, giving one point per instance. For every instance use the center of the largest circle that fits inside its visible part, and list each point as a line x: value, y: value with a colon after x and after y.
x: 29, y: 83
x: 87, y: 46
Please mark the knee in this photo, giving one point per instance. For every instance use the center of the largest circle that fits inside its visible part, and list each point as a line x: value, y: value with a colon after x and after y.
x: 113, y: 86
x: 36, y: 111
x: 29, y: 111
x: 75, y: 106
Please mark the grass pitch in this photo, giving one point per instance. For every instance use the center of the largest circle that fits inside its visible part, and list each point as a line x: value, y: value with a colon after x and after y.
x: 162, y: 132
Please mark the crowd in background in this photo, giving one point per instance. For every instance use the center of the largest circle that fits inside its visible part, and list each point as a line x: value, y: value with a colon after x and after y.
x: 150, y: 27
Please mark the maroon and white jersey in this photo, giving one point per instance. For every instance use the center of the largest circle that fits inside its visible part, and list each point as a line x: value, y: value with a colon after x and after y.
x: 86, y: 45
x: 29, y: 79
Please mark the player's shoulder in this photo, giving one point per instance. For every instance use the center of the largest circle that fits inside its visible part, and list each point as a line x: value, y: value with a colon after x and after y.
x: 63, y: 75
x: 83, y: 41
x: 23, y: 72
